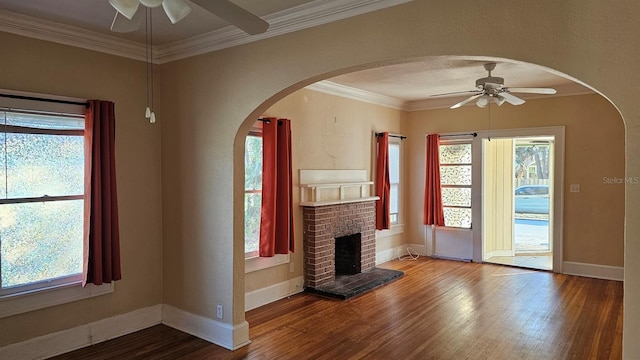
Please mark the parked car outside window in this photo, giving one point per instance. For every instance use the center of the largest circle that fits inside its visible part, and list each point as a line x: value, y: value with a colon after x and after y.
x: 532, y: 199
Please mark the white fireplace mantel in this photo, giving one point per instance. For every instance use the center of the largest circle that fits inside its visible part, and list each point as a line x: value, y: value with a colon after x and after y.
x: 331, y: 187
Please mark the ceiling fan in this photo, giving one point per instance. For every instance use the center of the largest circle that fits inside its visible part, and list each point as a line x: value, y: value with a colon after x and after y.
x: 491, y: 88
x: 128, y: 18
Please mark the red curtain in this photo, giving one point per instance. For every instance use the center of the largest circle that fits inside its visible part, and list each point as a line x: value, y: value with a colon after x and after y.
x: 383, y: 186
x: 101, y: 231
x: 276, y: 216
x: 433, y: 212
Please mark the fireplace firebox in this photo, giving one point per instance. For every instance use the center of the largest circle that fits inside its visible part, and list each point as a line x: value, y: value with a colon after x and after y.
x: 348, y: 254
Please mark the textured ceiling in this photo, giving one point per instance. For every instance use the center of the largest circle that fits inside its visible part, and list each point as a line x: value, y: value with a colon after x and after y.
x: 420, y: 80
x: 408, y: 82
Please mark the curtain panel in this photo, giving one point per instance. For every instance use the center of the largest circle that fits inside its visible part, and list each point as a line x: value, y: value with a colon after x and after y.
x: 433, y: 211
x: 383, y: 185
x: 101, y: 230
x: 276, y: 215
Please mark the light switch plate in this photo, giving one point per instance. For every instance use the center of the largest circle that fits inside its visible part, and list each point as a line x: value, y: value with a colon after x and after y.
x: 574, y: 188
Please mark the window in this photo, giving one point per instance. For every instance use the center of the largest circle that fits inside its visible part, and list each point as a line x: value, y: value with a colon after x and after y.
x: 41, y: 203
x: 394, y: 180
x: 455, y: 180
x: 253, y: 204
x: 41, y: 200
x: 252, y: 192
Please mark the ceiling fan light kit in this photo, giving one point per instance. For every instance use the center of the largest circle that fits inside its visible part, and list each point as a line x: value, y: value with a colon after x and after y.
x: 492, y: 88
x: 482, y: 101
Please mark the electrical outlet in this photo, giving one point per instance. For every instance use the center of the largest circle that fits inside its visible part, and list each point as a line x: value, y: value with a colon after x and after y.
x: 291, y: 267
x: 219, y: 311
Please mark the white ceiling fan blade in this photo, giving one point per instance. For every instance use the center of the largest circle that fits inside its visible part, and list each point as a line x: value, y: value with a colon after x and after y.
x: 457, y: 93
x: 151, y: 3
x: 546, y: 91
x: 176, y: 10
x: 511, y: 99
x: 127, y: 8
x: 123, y: 25
x: 469, y: 99
x: 235, y: 15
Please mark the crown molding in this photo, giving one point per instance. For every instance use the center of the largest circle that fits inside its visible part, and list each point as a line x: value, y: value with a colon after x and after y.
x: 41, y: 29
x: 328, y: 87
x: 348, y: 92
x: 304, y: 16
x: 290, y: 20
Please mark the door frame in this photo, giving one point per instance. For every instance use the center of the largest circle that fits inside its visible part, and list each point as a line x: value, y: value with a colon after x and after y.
x: 477, y: 197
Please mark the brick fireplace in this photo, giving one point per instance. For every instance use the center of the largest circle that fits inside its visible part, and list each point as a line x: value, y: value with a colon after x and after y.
x: 323, y: 224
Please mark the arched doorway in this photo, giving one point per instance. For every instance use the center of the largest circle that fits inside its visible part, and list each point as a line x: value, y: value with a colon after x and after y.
x: 218, y: 95
x: 524, y: 122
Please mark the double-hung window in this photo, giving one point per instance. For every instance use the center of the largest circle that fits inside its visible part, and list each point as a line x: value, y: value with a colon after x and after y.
x: 394, y: 179
x: 455, y: 181
x: 252, y: 192
x: 253, y: 204
x: 41, y: 200
x: 42, y: 184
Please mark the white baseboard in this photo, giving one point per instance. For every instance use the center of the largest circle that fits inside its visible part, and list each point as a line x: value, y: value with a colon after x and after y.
x: 447, y: 257
x: 223, y: 334
x: 391, y: 254
x: 593, y: 270
x: 78, y: 337
x: 269, y: 294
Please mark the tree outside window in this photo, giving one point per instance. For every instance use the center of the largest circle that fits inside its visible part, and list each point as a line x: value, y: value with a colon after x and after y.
x: 252, y: 192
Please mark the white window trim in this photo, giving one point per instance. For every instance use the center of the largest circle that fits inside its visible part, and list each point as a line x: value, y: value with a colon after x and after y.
x: 45, y: 297
x: 395, y: 230
x: 398, y: 141
x: 30, y: 300
x: 257, y: 263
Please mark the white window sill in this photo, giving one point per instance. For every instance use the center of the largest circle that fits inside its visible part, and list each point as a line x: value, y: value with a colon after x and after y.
x: 29, y: 301
x: 256, y: 263
x: 395, y: 230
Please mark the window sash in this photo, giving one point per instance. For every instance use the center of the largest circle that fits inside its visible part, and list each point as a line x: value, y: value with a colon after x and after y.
x: 254, y: 132
x: 44, y: 198
x: 70, y: 125
x: 395, y: 174
x: 48, y: 284
x: 458, y: 186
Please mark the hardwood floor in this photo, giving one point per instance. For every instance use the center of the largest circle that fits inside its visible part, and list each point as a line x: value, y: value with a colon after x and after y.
x: 439, y: 310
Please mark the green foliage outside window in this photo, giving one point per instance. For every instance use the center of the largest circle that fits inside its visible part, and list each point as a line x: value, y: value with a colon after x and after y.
x: 253, y: 192
x: 41, y: 240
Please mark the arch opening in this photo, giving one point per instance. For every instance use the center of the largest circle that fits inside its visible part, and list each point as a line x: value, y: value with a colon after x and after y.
x: 604, y: 105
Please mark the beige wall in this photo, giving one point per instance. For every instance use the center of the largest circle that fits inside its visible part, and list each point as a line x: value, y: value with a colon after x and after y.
x: 328, y: 132
x: 37, y: 66
x: 594, y: 149
x: 218, y: 95
x: 209, y: 102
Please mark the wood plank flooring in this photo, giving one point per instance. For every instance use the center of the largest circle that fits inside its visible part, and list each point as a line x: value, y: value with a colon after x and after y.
x: 439, y: 310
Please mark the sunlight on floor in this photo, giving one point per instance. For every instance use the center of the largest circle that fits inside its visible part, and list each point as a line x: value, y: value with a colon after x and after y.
x: 542, y: 262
